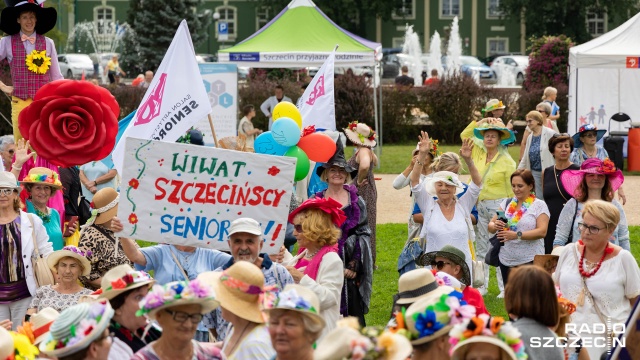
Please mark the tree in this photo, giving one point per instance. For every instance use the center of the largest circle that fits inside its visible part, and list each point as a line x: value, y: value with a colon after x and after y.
x: 155, y: 23
x: 564, y: 17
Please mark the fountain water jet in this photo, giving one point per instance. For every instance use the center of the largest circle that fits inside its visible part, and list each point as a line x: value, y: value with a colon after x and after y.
x: 435, y: 55
x: 412, y: 48
x: 454, y: 49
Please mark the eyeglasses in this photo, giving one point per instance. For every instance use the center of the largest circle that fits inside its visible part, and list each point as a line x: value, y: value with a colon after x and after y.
x: 6, y: 192
x: 298, y: 228
x: 109, y: 335
x: 593, y: 230
x: 439, y: 264
x: 558, y: 135
x: 589, y: 135
x: 181, y: 316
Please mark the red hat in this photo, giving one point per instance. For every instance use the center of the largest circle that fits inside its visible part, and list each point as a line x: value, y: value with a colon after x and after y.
x: 328, y: 205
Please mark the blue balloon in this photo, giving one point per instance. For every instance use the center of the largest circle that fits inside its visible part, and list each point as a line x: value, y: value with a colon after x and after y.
x: 266, y: 144
x: 285, y: 132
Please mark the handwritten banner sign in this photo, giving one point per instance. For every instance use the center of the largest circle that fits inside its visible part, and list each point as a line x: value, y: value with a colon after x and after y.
x: 189, y: 195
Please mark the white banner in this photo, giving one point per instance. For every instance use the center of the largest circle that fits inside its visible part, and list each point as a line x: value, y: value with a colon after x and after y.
x: 176, y: 98
x: 189, y: 195
x: 317, y: 104
x: 221, y: 84
x: 295, y: 59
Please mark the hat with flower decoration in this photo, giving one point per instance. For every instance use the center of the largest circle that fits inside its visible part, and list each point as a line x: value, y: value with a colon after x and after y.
x: 16, y: 346
x: 488, y: 330
x: 296, y: 298
x: 123, y: 278
x: 72, y: 252
x: 572, y: 178
x: 447, y: 177
x: 586, y: 128
x: 44, y: 176
x: 37, y: 328
x: 361, y: 134
x: 178, y: 293
x: 493, y: 104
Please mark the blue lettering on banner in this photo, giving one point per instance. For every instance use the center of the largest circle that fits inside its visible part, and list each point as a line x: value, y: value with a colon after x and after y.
x: 244, y: 56
x: 198, y: 227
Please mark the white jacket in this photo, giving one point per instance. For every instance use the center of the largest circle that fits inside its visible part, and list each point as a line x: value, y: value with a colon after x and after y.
x: 545, y: 155
x: 42, y: 239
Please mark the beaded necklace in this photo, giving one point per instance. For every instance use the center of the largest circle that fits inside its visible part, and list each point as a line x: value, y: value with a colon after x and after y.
x: 514, y: 216
x: 588, y: 274
x: 42, y: 215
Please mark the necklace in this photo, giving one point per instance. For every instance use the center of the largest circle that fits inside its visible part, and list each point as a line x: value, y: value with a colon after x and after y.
x: 310, y: 256
x: 589, y: 273
x: 592, y: 154
x: 42, y: 215
x: 514, y: 216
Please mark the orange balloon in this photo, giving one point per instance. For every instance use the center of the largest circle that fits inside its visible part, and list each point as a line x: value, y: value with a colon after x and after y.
x: 318, y: 146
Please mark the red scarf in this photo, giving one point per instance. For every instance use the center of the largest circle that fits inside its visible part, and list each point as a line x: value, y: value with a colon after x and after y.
x: 314, y: 265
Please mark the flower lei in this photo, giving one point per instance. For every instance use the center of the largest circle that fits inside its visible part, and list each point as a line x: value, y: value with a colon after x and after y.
x: 484, y: 325
x: 514, y: 216
x: 161, y: 295
x: 449, y: 310
x: 130, y: 278
x: 289, y: 299
x: 38, y: 62
x: 24, y: 348
x: 82, y: 330
x: 371, y: 136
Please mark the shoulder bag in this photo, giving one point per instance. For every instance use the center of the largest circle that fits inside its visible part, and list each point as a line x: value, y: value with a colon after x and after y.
x: 477, y: 266
x: 41, y: 271
x: 175, y: 259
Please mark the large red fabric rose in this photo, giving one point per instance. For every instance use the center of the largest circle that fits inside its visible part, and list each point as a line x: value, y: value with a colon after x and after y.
x: 71, y: 122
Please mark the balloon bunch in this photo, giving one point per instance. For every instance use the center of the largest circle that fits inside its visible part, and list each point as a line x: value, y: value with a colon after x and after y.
x: 287, y: 138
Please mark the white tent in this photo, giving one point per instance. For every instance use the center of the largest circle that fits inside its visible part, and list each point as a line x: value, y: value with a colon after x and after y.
x: 604, y: 78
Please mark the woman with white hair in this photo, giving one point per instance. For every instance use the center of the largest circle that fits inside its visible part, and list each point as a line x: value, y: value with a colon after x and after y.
x: 446, y: 218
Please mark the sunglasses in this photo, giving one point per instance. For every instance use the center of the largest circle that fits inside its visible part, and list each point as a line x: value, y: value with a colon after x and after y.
x: 439, y: 264
x: 589, y: 135
x: 298, y: 228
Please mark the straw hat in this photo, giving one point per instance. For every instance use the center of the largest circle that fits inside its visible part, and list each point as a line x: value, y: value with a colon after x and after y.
x: 489, y: 330
x: 105, y: 204
x: 238, y: 289
x: 493, y: 104
x: 361, y: 134
x: 342, y: 342
x: 43, y: 175
x: 572, y: 178
x: 177, y: 293
x: 41, y: 322
x: 76, y: 328
x: 549, y: 261
x: 506, y: 135
x: 414, y: 284
x: 446, y: 177
x: 299, y: 299
x: 6, y: 344
x: 585, y: 128
x: 8, y: 180
x: 452, y: 253
x: 123, y: 278
x: 72, y: 252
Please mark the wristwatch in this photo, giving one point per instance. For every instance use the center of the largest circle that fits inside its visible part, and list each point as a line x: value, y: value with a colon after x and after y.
x: 519, y: 233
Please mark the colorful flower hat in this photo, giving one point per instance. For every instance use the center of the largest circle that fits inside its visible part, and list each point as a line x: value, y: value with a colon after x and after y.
x: 446, y: 177
x: 327, y: 205
x: 506, y: 136
x: 295, y: 298
x: 238, y: 289
x: 434, y: 314
x: 434, y: 151
x: 489, y: 330
x: 123, y: 278
x: 452, y: 253
x: 178, y: 293
x: 584, y: 128
x: 76, y: 328
x: 37, y: 328
x: 361, y: 134
x: 351, y: 342
x: 493, y: 104
x: 16, y: 346
x: 72, y: 252
x: 46, y: 16
x: 42, y: 175
x: 572, y: 178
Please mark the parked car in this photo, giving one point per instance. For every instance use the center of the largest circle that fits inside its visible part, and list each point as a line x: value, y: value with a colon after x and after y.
x: 472, y: 66
x: 392, y: 63
x: 516, y: 64
x: 73, y: 65
x: 205, y: 58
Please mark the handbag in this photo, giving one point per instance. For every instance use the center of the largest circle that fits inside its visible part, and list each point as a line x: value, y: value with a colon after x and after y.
x: 41, y: 271
x: 477, y: 266
x: 492, y: 257
x: 84, y: 209
x: 412, y: 251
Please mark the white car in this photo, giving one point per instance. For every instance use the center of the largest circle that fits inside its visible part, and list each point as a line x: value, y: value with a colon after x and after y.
x: 73, y: 65
x: 516, y: 65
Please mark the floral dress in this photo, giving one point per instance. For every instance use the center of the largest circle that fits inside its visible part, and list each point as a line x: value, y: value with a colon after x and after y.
x: 370, y: 195
x: 46, y: 296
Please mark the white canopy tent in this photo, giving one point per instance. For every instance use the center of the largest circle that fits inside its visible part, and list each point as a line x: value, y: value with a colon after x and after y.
x: 604, y: 78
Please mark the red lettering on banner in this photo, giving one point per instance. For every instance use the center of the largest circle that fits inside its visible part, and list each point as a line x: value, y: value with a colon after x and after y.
x: 173, y: 198
x: 151, y: 107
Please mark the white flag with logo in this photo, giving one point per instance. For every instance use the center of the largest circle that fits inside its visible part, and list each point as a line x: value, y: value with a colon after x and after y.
x: 175, y: 100
x: 317, y: 105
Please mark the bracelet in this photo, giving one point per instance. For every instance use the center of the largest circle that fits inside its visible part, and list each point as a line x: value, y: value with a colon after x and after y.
x: 95, y: 182
x: 419, y: 162
x: 17, y: 168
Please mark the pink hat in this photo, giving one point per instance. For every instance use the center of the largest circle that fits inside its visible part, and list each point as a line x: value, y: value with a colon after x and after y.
x: 572, y: 178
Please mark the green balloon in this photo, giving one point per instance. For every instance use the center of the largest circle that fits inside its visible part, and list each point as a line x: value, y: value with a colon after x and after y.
x: 302, y: 165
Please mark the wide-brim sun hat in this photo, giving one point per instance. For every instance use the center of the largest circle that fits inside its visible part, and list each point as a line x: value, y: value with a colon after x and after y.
x: 46, y: 18
x: 76, y: 328
x: 238, y: 289
x: 44, y: 176
x: 72, y: 252
x: 41, y: 323
x: 452, y: 253
x: 123, y: 278
x: 339, y: 344
x: 447, y: 177
x: 460, y: 350
x: 327, y: 205
x: 414, y: 284
x: 572, y: 178
x: 361, y: 134
x: 490, y: 330
x: 105, y: 203
x: 178, y: 293
x: 296, y: 298
x: 8, y: 181
x: 506, y: 135
x: 585, y: 128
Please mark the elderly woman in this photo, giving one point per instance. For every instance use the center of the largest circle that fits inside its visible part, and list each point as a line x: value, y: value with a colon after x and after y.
x: 125, y: 288
x: 318, y: 266
x: 555, y: 195
x: 527, y: 219
x: 96, y: 176
x: 238, y: 289
x: 487, y: 338
x: 41, y: 184
x: 446, y: 222
x: 178, y: 307
x: 294, y: 323
x: 353, y: 244
x: 544, y: 109
x: 493, y: 161
x: 19, y: 232
x: 98, y: 238
x: 364, y: 159
x: 536, y: 157
x: 601, y: 278
x: 69, y: 264
x: 596, y: 180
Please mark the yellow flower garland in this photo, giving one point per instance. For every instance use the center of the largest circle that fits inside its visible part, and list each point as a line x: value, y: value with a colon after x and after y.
x: 38, y: 62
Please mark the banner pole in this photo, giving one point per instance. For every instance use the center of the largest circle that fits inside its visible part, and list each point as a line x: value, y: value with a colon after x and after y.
x: 213, y: 131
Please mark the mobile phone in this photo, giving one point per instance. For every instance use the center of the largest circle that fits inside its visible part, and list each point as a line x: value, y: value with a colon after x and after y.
x: 501, y: 215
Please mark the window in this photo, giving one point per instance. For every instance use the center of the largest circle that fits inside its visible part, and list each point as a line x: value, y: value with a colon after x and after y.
x: 493, y: 9
x: 104, y: 27
x: 497, y: 46
x: 397, y: 42
x: 405, y: 11
x: 262, y: 17
x: 450, y: 8
x: 228, y: 14
x: 596, y: 22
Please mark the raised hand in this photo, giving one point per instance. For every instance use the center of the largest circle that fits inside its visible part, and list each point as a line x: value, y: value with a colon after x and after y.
x: 466, y: 149
x: 424, y: 144
x: 22, y: 153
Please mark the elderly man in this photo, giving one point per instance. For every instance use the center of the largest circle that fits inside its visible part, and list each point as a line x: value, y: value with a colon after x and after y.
x: 269, y: 104
x: 245, y: 243
x: 148, y: 77
x: 7, y: 149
